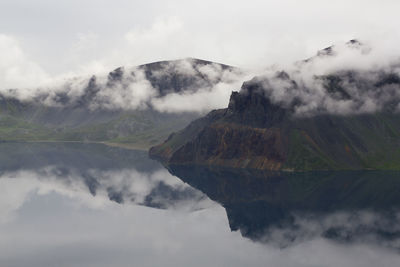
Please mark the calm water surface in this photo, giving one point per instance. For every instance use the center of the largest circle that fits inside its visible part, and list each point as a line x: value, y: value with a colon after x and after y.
x: 93, y: 205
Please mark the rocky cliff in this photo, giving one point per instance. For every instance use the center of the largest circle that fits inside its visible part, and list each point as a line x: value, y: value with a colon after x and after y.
x: 262, y: 130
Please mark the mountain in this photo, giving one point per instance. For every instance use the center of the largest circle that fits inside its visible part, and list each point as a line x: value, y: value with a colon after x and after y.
x: 117, y: 108
x: 299, y: 120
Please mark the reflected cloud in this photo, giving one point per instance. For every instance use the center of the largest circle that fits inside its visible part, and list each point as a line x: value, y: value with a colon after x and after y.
x: 96, y: 188
x: 91, y: 175
x: 89, y: 206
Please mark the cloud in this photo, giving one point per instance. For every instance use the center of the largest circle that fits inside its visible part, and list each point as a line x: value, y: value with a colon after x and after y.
x: 187, y: 85
x: 16, y: 69
x: 95, y: 188
x: 202, y: 101
x: 366, y: 63
x: 212, y: 95
x: 351, y: 78
x: 132, y: 92
x: 161, y: 30
x: 245, y: 34
x: 164, y: 39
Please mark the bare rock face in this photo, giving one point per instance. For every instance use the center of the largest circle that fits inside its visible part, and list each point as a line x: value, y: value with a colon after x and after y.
x: 254, y: 132
x: 235, y: 146
x: 252, y: 107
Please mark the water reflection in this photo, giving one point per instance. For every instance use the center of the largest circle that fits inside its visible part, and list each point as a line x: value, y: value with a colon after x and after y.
x: 93, y: 205
x: 88, y: 170
x: 287, y: 208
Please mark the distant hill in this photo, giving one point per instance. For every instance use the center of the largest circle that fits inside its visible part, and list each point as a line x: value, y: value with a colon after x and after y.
x: 116, y: 108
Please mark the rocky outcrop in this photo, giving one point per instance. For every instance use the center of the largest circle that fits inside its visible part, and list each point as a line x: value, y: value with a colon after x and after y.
x: 235, y: 146
x: 254, y: 132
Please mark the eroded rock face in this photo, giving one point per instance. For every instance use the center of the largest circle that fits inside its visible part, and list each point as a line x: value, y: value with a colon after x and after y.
x: 307, y: 117
x: 252, y: 107
x: 236, y: 146
x: 253, y: 132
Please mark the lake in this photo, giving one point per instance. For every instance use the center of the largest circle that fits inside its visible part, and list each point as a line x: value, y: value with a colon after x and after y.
x: 71, y: 204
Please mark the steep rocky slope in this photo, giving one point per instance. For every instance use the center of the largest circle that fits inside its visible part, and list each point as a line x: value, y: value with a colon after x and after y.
x: 345, y: 120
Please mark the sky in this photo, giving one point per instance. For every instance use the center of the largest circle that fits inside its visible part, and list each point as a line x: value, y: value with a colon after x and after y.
x: 41, y: 39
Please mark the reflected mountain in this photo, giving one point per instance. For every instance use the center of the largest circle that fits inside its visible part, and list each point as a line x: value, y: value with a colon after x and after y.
x: 289, y: 207
x: 122, y: 175
x: 279, y: 208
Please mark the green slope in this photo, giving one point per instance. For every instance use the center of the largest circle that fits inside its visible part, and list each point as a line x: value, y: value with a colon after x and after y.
x: 140, y: 129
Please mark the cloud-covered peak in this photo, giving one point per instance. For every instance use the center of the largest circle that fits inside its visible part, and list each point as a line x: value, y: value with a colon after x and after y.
x: 184, y: 85
x: 354, y: 46
x: 343, y: 79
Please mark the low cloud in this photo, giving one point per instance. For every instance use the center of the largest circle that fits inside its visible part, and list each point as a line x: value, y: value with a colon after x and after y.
x: 16, y: 69
x: 344, y: 79
x: 364, y: 77
x: 212, y: 95
x: 185, y: 85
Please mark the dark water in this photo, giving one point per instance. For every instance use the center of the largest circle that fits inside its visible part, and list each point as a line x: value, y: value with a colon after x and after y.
x: 93, y: 205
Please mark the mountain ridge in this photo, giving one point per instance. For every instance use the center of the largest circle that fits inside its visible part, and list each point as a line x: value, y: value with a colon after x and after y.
x: 115, y: 108
x: 346, y: 120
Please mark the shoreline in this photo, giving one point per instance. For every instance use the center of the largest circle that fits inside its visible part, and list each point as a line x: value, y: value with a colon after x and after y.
x: 110, y: 144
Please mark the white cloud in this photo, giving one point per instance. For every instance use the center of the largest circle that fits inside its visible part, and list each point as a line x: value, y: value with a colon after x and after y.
x: 17, y: 188
x: 240, y: 33
x: 159, y: 32
x: 16, y: 69
x: 255, y: 33
x: 210, y: 88
x: 203, y: 100
x: 359, y: 67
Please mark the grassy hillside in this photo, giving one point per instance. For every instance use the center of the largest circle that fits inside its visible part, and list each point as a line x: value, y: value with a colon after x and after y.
x: 111, y: 108
x: 140, y: 129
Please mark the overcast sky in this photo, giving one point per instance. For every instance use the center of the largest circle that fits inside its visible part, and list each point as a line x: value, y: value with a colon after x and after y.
x: 43, y: 38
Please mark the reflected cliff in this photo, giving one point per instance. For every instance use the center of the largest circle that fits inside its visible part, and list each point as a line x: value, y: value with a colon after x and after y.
x: 94, y: 205
x: 278, y: 208
x: 286, y: 208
